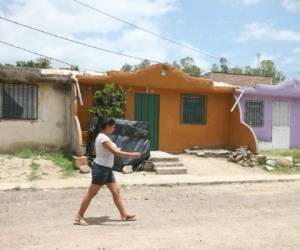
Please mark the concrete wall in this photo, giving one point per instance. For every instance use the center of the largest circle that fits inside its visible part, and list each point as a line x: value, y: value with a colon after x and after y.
x: 52, y: 128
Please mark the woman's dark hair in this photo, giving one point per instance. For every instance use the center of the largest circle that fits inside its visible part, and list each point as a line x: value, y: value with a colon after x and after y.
x: 107, y: 123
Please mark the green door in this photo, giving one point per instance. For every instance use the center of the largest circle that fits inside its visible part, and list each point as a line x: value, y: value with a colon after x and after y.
x: 147, y: 109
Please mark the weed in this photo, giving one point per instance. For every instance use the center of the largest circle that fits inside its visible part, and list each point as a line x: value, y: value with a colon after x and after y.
x: 34, y: 175
x: 295, y: 153
x: 25, y: 154
x: 17, y: 188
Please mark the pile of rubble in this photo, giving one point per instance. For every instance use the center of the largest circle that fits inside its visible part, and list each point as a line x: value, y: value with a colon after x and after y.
x: 244, y: 157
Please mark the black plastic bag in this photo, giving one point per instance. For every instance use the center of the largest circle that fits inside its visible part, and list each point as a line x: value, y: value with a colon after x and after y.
x: 131, y: 136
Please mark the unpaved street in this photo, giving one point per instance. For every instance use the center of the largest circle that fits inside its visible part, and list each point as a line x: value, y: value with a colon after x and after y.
x: 256, y: 216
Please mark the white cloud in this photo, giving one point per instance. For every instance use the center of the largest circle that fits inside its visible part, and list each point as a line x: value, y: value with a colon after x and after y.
x: 291, y: 5
x: 70, y: 19
x: 266, y: 31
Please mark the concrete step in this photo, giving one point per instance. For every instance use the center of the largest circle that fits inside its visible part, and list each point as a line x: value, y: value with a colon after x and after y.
x: 159, y: 156
x: 168, y: 164
x: 170, y: 170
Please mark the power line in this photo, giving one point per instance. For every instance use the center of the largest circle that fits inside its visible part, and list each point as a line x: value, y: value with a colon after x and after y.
x: 36, y: 53
x: 75, y: 41
x: 149, y: 31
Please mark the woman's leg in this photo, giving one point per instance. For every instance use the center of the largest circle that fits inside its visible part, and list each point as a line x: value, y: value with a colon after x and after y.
x: 115, y: 191
x: 93, y: 190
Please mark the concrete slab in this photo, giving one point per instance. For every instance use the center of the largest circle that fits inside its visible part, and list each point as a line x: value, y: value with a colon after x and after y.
x: 160, y: 156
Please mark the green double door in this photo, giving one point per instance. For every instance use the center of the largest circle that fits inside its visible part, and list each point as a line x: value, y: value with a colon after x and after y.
x: 147, y: 109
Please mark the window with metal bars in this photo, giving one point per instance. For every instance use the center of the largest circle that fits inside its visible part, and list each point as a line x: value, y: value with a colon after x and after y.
x: 254, y: 113
x: 18, y: 101
x: 193, y: 109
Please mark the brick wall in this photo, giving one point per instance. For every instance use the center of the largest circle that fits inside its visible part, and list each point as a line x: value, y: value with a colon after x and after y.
x: 238, y: 80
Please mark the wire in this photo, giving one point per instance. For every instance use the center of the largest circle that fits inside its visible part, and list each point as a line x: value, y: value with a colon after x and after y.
x: 36, y: 53
x: 149, y: 31
x: 75, y: 41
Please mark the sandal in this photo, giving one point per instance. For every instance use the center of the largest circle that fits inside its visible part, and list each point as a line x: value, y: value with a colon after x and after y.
x: 129, y: 218
x: 80, y: 221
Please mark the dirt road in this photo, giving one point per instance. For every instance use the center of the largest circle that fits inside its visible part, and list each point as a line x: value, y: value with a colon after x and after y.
x: 256, y: 216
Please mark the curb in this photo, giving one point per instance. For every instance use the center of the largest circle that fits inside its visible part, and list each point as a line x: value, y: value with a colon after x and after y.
x: 27, y: 186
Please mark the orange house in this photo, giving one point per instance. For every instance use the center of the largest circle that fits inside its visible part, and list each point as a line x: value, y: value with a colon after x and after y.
x: 182, y: 111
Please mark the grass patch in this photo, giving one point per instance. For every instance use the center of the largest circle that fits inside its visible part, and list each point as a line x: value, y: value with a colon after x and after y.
x: 25, y: 154
x: 295, y: 153
x: 34, y: 174
x: 17, y: 188
x: 61, y: 159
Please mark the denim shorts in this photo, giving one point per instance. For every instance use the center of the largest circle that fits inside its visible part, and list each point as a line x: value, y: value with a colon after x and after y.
x: 102, y: 175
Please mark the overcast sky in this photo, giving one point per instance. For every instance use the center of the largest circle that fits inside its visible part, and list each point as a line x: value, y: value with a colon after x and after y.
x: 236, y: 29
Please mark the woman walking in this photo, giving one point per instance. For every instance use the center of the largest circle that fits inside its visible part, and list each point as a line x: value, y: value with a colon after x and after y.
x: 102, y: 173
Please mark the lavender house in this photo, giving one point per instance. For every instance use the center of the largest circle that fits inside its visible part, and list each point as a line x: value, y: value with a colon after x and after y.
x: 273, y: 112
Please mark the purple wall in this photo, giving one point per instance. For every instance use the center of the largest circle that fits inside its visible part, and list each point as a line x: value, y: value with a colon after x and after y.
x: 288, y: 91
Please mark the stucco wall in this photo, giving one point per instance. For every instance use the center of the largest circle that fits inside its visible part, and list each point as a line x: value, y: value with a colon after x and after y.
x: 264, y: 133
x: 52, y: 128
x: 174, y: 136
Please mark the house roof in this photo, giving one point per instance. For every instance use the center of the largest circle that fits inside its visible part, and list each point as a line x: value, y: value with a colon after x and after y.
x: 152, y: 77
x: 289, y: 88
x: 27, y: 75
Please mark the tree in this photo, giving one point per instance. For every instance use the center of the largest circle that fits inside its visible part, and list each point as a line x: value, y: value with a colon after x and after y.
x: 215, y: 68
x: 268, y: 68
x: 236, y: 70
x: 142, y: 65
x: 223, y: 65
x: 127, y: 67
x: 109, y: 101
x: 42, y: 63
x: 188, y: 65
x: 176, y: 65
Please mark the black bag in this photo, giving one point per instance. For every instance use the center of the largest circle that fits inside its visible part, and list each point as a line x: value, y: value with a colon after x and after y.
x: 130, y: 136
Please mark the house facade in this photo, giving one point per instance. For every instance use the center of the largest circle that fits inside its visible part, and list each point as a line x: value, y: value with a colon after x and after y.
x: 182, y: 111
x: 273, y: 112
x: 37, y: 109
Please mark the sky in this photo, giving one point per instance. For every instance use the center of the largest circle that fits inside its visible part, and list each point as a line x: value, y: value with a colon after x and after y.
x: 235, y: 29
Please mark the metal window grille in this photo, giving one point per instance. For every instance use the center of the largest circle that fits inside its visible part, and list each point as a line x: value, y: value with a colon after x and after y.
x: 18, y: 101
x: 193, y: 109
x: 254, y: 113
